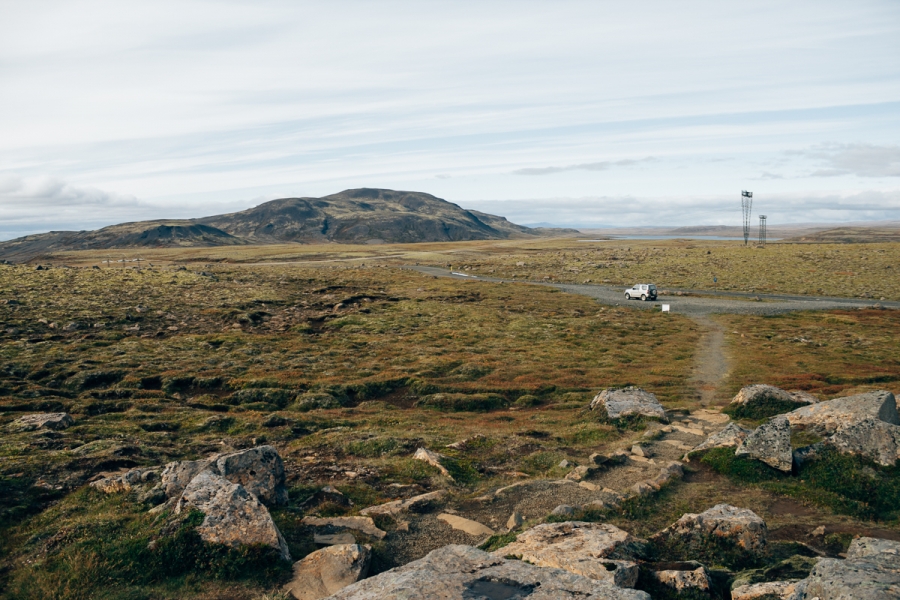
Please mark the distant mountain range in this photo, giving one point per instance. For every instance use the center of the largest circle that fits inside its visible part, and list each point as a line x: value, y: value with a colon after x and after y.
x: 361, y: 216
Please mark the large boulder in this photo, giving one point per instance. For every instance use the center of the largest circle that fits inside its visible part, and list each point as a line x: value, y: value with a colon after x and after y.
x: 730, y: 437
x: 457, y: 572
x: 682, y: 577
x: 871, y: 571
x: 875, y: 439
x: 825, y: 418
x: 42, y: 421
x: 761, y: 400
x: 260, y: 470
x: 232, y: 515
x: 177, y: 475
x: 594, y: 550
x: 771, y: 444
x: 739, y: 527
x: 329, y: 570
x: 627, y: 402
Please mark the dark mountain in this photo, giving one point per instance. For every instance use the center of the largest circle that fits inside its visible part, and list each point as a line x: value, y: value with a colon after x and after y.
x: 362, y: 216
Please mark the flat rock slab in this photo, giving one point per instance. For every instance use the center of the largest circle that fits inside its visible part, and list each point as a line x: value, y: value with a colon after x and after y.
x: 465, y: 525
x: 363, y: 524
x: 233, y: 516
x: 329, y: 570
x: 758, y: 394
x: 771, y: 444
x: 42, y: 421
x: 740, y: 525
x: 825, y: 418
x: 463, y: 572
x: 397, y: 507
x: 871, y: 571
x: 782, y: 590
x: 630, y: 401
x: 595, y: 550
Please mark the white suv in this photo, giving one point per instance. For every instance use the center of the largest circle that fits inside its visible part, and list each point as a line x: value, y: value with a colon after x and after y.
x: 644, y: 291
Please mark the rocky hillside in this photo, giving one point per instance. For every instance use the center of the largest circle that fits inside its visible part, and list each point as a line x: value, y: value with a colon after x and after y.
x: 362, y: 216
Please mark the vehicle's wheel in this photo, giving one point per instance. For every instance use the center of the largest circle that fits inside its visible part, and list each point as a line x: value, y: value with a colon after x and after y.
x: 643, y: 297
x: 628, y: 296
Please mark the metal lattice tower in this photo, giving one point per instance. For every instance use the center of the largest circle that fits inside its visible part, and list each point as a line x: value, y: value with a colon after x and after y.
x: 762, y: 230
x: 746, y: 204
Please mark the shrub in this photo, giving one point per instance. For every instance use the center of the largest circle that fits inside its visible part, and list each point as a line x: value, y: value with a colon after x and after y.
x: 464, y: 402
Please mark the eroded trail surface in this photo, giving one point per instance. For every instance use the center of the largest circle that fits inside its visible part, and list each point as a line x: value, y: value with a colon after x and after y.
x: 711, y: 361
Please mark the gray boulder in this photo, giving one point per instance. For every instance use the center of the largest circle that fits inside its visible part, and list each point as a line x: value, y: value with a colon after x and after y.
x: 459, y: 572
x: 770, y: 590
x: 730, y: 437
x: 42, y: 421
x: 596, y: 550
x: 875, y: 439
x: 825, y: 418
x: 329, y: 570
x: 871, y: 571
x: 763, y: 394
x: 629, y: 401
x: 770, y: 443
x: 740, y: 526
x: 232, y: 515
x: 177, y: 475
x: 260, y: 470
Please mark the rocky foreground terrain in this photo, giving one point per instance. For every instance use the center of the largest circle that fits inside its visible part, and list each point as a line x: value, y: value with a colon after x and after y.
x: 545, y: 538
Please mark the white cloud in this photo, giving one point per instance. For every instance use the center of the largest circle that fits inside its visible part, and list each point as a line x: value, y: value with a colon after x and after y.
x: 862, y: 160
x: 594, y: 166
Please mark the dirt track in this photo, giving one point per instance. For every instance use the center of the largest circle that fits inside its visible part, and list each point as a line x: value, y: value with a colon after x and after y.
x: 692, y: 306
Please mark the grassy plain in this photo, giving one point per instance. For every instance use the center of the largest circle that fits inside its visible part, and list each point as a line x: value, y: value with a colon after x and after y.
x: 347, y: 364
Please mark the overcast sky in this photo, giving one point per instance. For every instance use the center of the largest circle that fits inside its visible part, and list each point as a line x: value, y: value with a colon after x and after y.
x: 575, y: 113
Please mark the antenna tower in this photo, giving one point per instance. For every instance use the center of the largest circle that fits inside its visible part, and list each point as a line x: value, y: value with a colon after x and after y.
x: 762, y: 230
x: 746, y: 204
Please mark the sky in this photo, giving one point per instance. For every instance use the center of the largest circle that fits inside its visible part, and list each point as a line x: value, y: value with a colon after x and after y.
x: 595, y: 113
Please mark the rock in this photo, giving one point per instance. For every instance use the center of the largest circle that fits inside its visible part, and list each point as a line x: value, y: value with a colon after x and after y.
x: 596, y: 550
x: 627, y: 402
x: 791, y: 569
x: 177, y: 475
x: 124, y: 482
x: 329, y: 570
x: 232, y: 515
x: 639, y: 450
x: 465, y: 525
x: 42, y: 421
x: 871, y: 571
x: 770, y: 590
x: 643, y: 488
x: 515, y: 520
x: 334, y: 539
x: 433, y: 459
x: 740, y: 526
x: 825, y: 418
x: 563, y: 510
x: 397, y: 507
x: 730, y: 437
x: 875, y: 439
x: 579, y: 473
x: 682, y: 577
x: 771, y: 444
x: 327, y: 495
x: 260, y: 470
x: 762, y: 395
x: 806, y: 453
x: 598, y: 459
x: 457, y: 572
x: 801, y: 397
x: 363, y: 524
x: 564, y: 464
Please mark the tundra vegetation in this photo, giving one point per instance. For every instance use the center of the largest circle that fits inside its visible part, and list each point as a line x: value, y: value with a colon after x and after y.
x: 347, y: 367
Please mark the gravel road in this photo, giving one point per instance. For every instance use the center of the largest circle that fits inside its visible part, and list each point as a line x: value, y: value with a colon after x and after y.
x: 723, y: 302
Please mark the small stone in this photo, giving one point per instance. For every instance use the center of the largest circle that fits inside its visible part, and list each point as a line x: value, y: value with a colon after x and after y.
x: 639, y: 450
x: 564, y: 464
x: 433, y: 459
x: 563, y: 510
x: 42, y: 421
x: 598, y: 459
x: 685, y: 576
x: 515, y: 520
x: 730, y: 437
